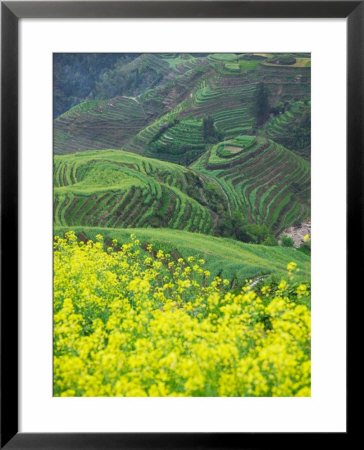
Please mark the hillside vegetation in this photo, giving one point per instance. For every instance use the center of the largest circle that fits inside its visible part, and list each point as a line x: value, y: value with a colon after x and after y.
x: 269, y: 184
x: 292, y: 127
x: 187, y: 89
x: 118, y: 189
x: 132, y: 324
x: 236, y: 127
x: 182, y: 225
x: 227, y: 258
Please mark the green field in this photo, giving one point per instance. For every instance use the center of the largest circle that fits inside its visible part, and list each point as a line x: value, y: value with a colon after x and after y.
x: 224, y: 257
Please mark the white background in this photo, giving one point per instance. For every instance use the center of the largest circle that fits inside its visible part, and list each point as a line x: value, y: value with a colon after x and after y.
x: 325, y: 410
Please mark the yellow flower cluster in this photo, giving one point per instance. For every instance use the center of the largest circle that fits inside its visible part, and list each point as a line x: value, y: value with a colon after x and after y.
x: 130, y: 322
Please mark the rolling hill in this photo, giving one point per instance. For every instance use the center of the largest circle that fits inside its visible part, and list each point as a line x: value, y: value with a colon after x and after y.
x: 189, y: 88
x: 182, y: 192
x: 119, y: 189
x: 264, y: 180
x: 268, y: 184
x: 174, y: 141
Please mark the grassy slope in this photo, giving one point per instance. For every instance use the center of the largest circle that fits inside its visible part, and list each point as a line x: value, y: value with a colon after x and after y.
x: 136, y: 192
x: 119, y: 189
x: 111, y: 123
x: 226, y: 257
x: 225, y: 93
x: 221, y: 86
x: 269, y: 183
x: 281, y: 128
x: 263, y: 180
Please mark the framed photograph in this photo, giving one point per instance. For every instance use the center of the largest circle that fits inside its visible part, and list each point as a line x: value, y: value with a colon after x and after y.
x: 178, y: 181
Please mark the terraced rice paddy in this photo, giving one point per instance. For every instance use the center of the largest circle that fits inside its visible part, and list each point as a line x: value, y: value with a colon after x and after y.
x: 221, y: 85
x: 300, y: 62
x: 118, y: 189
x: 281, y: 128
x: 96, y: 124
x: 184, y: 138
x: 169, y: 203
x: 267, y: 182
x: 257, y: 176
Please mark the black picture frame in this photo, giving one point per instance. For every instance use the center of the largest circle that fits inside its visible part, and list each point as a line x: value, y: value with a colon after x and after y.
x: 11, y: 12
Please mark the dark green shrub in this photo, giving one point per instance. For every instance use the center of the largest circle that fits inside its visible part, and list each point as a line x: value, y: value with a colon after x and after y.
x: 287, y: 241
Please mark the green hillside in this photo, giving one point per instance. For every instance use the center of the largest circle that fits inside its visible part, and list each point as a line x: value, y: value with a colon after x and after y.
x: 111, y: 122
x: 117, y: 189
x: 264, y: 180
x: 182, y: 225
x: 224, y: 257
x: 211, y: 143
x: 184, y: 91
x: 292, y: 128
x: 225, y: 95
x: 268, y: 184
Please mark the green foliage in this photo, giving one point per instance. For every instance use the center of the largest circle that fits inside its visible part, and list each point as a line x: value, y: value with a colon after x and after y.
x: 270, y: 241
x: 261, y: 104
x: 175, y: 107
x: 226, y: 258
x: 291, y: 126
x: 305, y: 249
x: 259, y: 234
x: 238, y: 227
x: 282, y: 59
x: 209, y: 131
x: 301, y: 132
x: 245, y: 176
x: 75, y: 75
x: 130, y: 79
x: 287, y: 241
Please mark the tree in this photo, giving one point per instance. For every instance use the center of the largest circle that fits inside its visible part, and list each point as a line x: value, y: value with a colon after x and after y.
x: 261, y: 104
x: 210, y: 133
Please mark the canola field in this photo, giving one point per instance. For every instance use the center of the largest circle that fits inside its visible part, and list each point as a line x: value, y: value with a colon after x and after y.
x: 127, y: 323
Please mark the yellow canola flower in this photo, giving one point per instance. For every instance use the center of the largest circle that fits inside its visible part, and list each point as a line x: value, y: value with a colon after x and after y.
x: 265, y: 290
x: 127, y: 325
x: 302, y: 290
x: 139, y: 285
x: 291, y: 266
x: 282, y: 285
